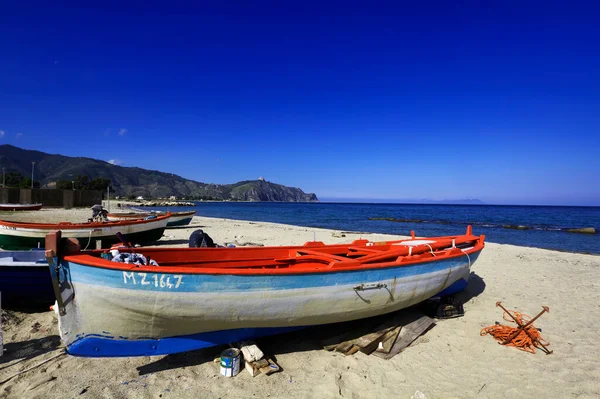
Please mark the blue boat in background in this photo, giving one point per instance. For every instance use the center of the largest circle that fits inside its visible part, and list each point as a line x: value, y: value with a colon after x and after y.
x: 25, y: 279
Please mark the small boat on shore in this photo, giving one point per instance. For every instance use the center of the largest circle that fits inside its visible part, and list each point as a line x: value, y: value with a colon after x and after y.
x: 20, y: 207
x: 176, y: 219
x: 22, y: 235
x: 192, y: 298
x: 25, y: 279
x: 180, y: 218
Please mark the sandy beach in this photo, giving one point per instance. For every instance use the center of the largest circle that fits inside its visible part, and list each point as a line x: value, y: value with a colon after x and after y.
x: 451, y: 360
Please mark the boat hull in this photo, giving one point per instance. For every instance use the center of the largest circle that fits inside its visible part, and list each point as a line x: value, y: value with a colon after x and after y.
x: 115, y: 217
x: 176, y: 219
x: 16, y: 236
x: 25, y: 279
x: 20, y: 207
x: 126, y: 313
x: 180, y: 219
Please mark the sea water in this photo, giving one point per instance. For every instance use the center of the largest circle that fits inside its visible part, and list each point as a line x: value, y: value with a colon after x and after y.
x: 532, y: 226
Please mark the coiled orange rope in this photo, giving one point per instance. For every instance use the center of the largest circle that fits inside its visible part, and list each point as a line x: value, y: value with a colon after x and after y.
x: 526, y: 340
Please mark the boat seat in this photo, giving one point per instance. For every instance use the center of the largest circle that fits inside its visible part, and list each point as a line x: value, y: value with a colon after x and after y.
x: 306, y: 255
x: 364, y: 249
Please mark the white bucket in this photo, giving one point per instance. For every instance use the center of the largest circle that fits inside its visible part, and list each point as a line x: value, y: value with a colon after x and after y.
x: 230, y: 362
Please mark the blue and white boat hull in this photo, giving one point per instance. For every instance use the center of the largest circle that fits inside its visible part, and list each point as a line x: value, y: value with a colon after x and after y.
x: 127, y: 313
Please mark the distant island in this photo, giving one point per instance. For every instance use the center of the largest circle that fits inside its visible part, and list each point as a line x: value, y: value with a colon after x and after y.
x: 53, y: 171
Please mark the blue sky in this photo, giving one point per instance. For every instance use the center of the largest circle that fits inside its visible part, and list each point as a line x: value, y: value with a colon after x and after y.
x: 498, y: 101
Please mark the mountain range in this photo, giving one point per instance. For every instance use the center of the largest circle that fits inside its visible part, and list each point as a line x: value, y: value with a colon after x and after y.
x: 132, y: 181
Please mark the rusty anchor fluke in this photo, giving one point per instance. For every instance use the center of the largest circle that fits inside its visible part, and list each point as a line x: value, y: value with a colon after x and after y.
x: 511, y: 336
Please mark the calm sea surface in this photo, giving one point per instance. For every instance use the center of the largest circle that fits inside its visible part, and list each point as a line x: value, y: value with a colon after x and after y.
x: 533, y: 226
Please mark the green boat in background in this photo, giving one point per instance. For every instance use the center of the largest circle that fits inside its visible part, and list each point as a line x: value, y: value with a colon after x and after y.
x: 20, y: 235
x: 176, y: 219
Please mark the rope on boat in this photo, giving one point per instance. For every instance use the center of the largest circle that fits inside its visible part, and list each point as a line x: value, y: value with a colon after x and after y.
x: 89, y: 240
x: 468, y: 257
x: 431, y: 249
x: 525, y: 337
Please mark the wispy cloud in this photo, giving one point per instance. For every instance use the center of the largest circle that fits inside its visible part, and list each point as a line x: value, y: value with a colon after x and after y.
x: 122, y: 132
x: 1, y: 133
x: 115, y: 162
x: 19, y: 135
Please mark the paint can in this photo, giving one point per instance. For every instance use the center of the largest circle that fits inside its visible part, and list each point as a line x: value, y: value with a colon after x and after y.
x: 230, y: 362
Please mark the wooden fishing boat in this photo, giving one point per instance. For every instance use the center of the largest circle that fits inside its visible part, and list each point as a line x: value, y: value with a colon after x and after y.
x: 201, y: 297
x: 180, y: 218
x: 176, y: 219
x: 21, y: 235
x: 20, y: 207
x: 25, y: 279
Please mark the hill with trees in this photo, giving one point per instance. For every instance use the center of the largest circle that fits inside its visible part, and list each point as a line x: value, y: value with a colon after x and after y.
x: 62, y: 172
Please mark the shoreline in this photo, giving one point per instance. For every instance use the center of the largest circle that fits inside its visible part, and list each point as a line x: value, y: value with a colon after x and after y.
x: 523, y: 278
x: 575, y: 239
x: 56, y: 215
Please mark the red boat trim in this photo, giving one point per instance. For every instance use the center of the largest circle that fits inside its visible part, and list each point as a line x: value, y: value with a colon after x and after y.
x: 318, y: 262
x: 72, y: 226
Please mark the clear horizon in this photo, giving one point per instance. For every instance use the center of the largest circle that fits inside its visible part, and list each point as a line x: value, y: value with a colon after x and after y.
x: 497, y: 102
x: 425, y: 201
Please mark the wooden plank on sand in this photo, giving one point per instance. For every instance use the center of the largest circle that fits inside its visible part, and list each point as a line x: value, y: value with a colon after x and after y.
x: 366, y: 343
x: 349, y: 334
x: 387, y: 331
x: 367, y: 338
x: 388, y: 340
x: 369, y: 342
x: 344, y: 346
x: 407, y: 335
x: 352, y: 350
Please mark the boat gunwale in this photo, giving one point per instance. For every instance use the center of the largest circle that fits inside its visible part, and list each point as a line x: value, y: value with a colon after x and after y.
x: 184, y: 213
x: 83, y: 225
x: 141, y: 214
x: 85, y: 259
